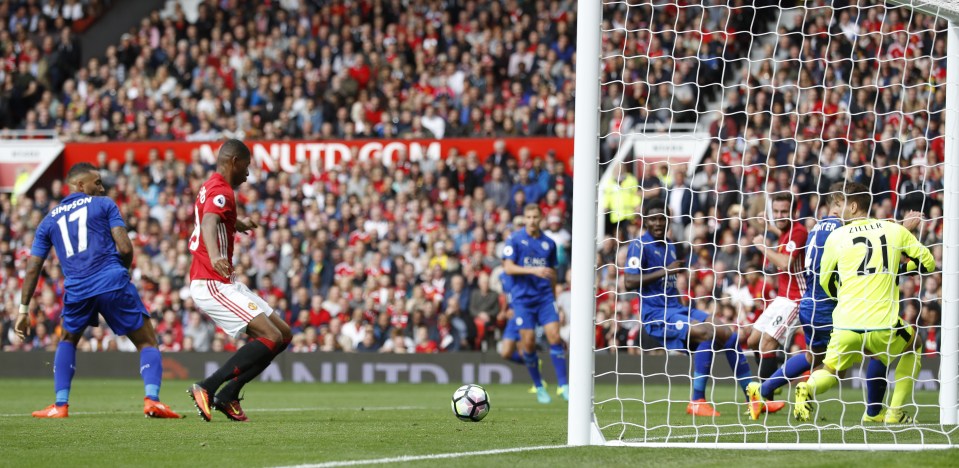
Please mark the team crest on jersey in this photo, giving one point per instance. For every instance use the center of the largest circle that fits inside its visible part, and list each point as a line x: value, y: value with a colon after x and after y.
x: 251, y: 305
x: 545, y: 245
x: 633, y: 262
x: 219, y: 200
x: 508, y: 250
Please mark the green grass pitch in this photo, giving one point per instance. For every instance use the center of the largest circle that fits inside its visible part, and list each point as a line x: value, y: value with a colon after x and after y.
x: 293, y: 424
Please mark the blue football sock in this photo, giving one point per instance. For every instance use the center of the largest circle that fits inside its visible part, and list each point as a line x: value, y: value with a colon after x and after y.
x: 558, y: 354
x: 532, y: 365
x: 151, y: 369
x: 737, y: 361
x: 517, y: 358
x: 702, y: 364
x: 64, y: 366
x: 875, y: 386
x: 793, y: 368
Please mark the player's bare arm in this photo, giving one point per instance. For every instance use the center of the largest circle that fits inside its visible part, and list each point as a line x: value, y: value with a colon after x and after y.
x: 124, y: 245
x: 245, y: 225
x: 781, y: 260
x: 30, y: 280
x: 209, y: 230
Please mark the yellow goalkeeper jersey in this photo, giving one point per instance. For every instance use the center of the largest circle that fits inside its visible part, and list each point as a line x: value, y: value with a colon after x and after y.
x: 865, y: 256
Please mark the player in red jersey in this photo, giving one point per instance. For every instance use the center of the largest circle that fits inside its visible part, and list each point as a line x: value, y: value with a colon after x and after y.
x: 773, y: 327
x: 230, y: 304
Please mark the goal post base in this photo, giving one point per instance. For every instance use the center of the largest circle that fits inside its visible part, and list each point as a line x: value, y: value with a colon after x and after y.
x: 784, y: 446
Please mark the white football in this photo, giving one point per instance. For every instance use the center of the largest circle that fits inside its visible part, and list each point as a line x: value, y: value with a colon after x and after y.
x: 470, y: 403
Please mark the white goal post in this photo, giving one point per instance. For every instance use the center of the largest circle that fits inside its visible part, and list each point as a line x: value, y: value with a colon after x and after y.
x: 583, y: 426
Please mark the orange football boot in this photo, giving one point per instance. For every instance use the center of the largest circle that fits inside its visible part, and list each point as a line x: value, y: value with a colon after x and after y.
x: 53, y: 411
x: 155, y: 409
x: 201, y: 399
x: 701, y: 407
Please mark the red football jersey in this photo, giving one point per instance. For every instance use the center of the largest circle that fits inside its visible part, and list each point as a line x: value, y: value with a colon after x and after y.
x: 216, y: 196
x: 792, y: 285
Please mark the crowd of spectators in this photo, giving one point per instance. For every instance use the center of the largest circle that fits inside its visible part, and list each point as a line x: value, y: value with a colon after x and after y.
x: 405, y: 258
x: 839, y: 92
x: 328, y: 69
x: 40, y: 52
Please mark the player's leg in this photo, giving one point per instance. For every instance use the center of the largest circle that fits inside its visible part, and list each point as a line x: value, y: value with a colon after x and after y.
x: 231, y: 390
x: 773, y: 325
x: 549, y: 319
x: 845, y: 348
x: 765, y: 360
x: 235, y: 312
x: 699, y: 337
x: 125, y: 313
x: 525, y: 317
x: 726, y: 341
x: 509, y: 351
x: 798, y: 364
x: 876, y: 384
x: 75, y: 318
x: 887, y: 344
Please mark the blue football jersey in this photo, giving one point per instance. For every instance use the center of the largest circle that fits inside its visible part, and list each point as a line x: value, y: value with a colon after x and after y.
x: 646, y: 255
x: 527, y: 251
x: 815, y: 295
x: 79, y: 230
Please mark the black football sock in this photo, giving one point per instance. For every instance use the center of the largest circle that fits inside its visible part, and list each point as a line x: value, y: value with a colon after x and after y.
x: 768, y: 364
x: 231, y: 390
x: 250, y: 355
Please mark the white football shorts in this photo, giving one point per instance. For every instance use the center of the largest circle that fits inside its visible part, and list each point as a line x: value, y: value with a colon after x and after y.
x: 778, y: 319
x: 231, y: 305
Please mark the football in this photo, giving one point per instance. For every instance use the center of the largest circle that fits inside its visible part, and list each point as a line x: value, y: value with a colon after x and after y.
x: 470, y: 403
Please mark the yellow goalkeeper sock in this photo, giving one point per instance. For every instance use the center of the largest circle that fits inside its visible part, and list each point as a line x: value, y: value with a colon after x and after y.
x: 820, y: 382
x: 906, y: 372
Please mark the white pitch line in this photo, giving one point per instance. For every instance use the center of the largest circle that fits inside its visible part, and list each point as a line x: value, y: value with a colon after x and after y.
x: 255, y: 410
x: 438, y: 456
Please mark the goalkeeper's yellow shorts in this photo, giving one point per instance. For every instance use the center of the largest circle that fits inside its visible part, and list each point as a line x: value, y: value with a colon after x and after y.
x: 847, y: 347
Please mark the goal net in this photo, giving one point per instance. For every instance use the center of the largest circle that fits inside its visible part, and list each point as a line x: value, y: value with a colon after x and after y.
x: 786, y: 99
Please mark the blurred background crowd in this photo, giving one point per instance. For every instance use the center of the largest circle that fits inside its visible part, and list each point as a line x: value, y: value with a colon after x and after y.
x: 405, y: 258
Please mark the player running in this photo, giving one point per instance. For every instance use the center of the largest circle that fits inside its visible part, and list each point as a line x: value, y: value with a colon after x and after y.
x: 230, y: 304
x: 650, y: 267
x: 529, y: 257
x: 859, y: 267
x: 508, y: 349
x: 772, y: 328
x: 95, y: 253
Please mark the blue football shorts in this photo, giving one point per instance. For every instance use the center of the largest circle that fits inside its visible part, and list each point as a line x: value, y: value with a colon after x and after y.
x: 528, y: 316
x: 122, y: 308
x: 673, y: 330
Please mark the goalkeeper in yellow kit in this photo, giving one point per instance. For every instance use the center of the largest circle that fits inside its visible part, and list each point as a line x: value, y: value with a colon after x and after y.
x: 859, y: 267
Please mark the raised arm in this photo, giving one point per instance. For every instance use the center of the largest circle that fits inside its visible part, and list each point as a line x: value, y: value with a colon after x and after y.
x: 916, y: 251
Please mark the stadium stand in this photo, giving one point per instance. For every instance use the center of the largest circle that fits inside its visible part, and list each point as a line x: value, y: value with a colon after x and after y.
x: 368, y: 251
